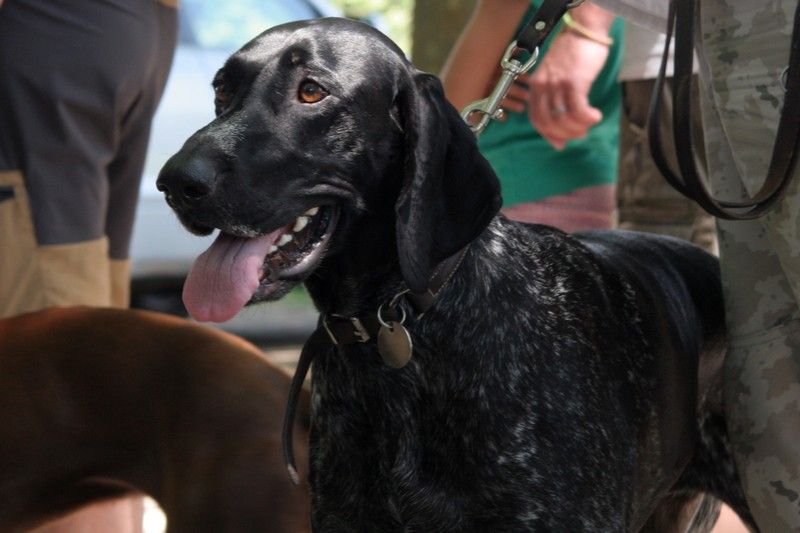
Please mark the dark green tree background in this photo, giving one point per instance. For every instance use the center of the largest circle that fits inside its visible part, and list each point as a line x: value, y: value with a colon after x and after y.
x: 437, y: 25
x: 425, y: 29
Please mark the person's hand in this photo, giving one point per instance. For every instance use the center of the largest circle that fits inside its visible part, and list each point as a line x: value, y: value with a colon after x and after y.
x: 558, y: 99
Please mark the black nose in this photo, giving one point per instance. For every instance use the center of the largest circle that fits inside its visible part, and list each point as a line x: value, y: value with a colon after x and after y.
x: 186, y: 180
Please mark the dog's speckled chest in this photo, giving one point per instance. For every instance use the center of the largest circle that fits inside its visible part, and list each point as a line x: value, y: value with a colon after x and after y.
x: 501, y: 390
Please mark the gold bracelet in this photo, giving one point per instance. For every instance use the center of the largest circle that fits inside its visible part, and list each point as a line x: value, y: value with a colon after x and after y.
x: 583, y: 31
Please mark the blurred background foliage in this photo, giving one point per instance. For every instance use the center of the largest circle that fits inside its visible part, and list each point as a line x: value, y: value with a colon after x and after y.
x: 425, y: 29
x: 436, y: 26
x: 395, y: 16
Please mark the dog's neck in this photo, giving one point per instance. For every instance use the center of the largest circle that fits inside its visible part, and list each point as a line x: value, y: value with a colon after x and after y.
x: 360, y: 276
x: 349, y: 293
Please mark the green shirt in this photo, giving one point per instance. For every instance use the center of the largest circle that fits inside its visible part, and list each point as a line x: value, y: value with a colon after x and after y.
x: 531, y: 169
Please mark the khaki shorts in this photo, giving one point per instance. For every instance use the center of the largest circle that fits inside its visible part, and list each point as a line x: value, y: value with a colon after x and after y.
x: 33, y: 276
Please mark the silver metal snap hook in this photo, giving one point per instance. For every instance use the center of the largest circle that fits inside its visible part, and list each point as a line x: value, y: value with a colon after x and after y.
x: 489, y: 108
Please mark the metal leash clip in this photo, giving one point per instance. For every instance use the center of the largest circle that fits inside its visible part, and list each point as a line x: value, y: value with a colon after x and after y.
x: 489, y: 107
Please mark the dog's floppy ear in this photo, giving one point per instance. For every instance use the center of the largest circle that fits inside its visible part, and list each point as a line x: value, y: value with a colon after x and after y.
x: 449, y: 193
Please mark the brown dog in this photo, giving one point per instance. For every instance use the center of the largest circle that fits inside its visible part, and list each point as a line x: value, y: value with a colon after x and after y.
x: 96, y: 403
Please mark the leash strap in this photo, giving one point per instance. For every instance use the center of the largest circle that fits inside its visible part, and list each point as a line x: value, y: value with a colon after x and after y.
x: 681, y: 19
x: 318, y: 342
x: 533, y: 34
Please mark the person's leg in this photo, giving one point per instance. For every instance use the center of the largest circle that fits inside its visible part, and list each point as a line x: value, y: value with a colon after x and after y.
x: 762, y: 374
x: 45, y: 153
x: 645, y: 201
x: 125, y: 170
x: 583, y: 209
x: 760, y: 259
x: 57, y: 115
x: 80, y: 85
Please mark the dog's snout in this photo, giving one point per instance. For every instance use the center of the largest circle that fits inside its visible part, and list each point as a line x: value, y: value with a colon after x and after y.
x: 187, y: 180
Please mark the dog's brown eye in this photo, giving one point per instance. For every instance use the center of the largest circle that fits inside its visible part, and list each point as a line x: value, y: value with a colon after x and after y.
x: 311, y: 92
x: 221, y: 95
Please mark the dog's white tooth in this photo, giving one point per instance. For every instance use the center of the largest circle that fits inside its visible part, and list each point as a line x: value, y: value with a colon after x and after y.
x: 285, y: 238
x: 272, y: 249
x: 311, y: 212
x: 300, y: 223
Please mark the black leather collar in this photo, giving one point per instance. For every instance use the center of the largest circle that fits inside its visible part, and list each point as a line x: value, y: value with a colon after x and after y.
x: 349, y: 330
x: 444, y: 272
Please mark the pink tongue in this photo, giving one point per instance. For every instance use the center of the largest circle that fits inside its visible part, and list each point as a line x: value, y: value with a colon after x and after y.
x: 224, y: 277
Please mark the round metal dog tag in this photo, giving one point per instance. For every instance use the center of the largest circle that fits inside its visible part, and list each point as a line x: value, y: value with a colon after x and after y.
x: 394, y: 345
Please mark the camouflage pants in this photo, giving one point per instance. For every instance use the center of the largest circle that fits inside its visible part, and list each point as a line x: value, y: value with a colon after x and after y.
x: 744, y: 50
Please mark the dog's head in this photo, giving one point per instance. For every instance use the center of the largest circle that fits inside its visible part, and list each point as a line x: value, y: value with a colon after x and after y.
x: 322, y: 127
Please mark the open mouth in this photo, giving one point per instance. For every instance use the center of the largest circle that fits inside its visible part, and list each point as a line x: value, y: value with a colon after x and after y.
x: 299, y: 247
x: 237, y: 270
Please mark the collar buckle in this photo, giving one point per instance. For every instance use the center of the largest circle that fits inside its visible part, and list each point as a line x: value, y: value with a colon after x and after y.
x: 359, y: 330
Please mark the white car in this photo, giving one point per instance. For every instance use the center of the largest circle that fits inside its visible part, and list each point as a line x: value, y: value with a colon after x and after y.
x: 162, y: 251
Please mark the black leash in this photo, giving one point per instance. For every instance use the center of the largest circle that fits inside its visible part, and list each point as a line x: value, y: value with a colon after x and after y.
x: 478, y: 114
x: 318, y: 341
x: 533, y: 34
x: 681, y: 18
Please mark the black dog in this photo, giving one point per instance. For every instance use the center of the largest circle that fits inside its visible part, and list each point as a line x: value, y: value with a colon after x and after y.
x: 557, y: 383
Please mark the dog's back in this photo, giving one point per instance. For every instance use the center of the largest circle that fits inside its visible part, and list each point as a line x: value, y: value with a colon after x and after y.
x: 670, y: 270
x: 668, y: 273
x: 100, y: 402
